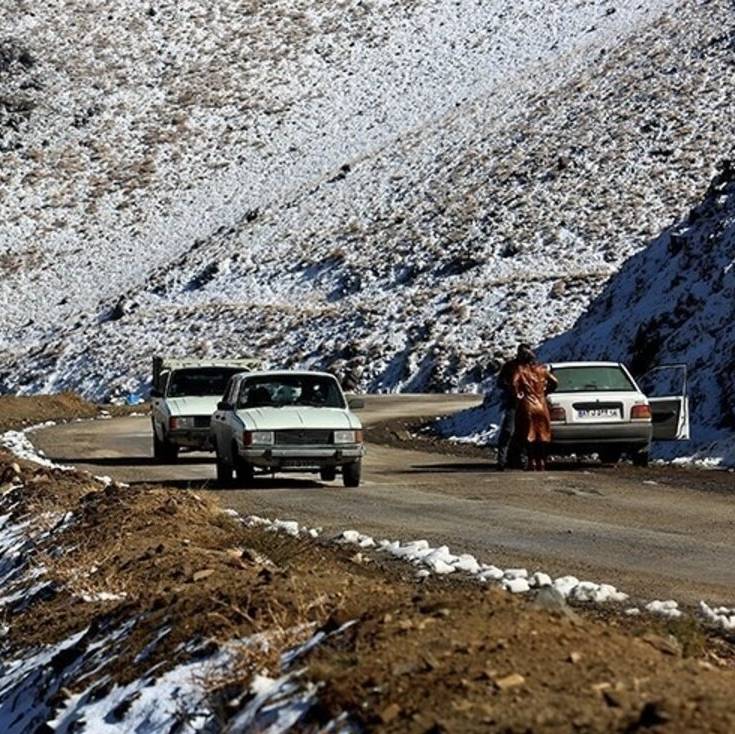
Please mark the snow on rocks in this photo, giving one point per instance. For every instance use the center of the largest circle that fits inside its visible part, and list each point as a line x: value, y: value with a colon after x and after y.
x: 18, y: 443
x: 669, y: 609
x: 720, y: 617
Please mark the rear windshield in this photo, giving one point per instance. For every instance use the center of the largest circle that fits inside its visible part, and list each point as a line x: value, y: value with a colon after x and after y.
x: 200, y: 381
x: 278, y: 391
x: 593, y: 379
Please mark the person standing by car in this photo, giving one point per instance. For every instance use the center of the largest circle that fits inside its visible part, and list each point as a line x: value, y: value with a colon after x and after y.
x: 531, y: 383
x: 509, y: 403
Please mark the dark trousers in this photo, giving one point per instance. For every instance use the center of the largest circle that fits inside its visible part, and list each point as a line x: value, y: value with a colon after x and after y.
x: 505, y: 438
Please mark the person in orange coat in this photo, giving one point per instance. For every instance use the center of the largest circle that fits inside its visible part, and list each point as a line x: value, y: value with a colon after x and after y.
x: 532, y: 382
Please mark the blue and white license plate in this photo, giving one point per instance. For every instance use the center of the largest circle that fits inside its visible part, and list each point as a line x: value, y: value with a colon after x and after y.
x: 597, y: 413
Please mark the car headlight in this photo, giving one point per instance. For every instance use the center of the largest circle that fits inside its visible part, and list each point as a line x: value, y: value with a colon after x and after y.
x: 257, y: 438
x: 180, y: 422
x: 348, y: 436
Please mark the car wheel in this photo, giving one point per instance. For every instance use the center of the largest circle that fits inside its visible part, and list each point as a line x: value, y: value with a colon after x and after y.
x: 224, y: 470
x: 641, y: 458
x: 164, y: 451
x: 351, y: 474
x: 243, y: 470
x: 610, y: 456
x: 328, y: 474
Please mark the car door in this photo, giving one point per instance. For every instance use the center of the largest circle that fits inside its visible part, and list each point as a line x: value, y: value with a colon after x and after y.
x: 158, y: 405
x: 220, y: 427
x: 666, y: 388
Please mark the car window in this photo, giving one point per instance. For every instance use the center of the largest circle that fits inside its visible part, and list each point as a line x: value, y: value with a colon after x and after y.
x: 199, y: 382
x: 593, y: 379
x: 283, y: 390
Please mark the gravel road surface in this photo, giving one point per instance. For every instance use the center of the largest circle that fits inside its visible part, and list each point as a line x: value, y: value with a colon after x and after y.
x: 655, y: 533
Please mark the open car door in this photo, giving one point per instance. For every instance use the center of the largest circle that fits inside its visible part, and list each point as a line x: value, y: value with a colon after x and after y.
x: 667, y: 391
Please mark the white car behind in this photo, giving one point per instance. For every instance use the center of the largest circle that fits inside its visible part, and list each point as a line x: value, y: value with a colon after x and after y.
x: 599, y: 408
x: 184, y: 395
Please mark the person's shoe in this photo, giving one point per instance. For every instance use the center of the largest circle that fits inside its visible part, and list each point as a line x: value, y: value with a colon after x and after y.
x: 500, y: 467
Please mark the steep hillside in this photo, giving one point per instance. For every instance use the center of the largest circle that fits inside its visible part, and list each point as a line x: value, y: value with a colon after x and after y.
x: 672, y: 303
x: 449, y: 180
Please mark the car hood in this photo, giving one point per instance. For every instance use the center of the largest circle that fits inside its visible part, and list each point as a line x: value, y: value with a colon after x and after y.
x: 279, y: 419
x: 193, y: 405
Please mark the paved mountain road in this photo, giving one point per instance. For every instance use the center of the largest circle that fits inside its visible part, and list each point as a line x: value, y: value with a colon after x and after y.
x: 655, y: 533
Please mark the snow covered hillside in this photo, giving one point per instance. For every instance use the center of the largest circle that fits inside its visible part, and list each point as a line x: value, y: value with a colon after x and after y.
x: 396, y: 192
x: 672, y: 303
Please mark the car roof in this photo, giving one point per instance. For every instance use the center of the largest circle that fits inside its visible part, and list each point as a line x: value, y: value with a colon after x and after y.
x: 585, y: 364
x: 297, y: 373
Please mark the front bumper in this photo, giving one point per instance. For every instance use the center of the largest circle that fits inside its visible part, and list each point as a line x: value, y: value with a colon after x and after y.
x: 302, y: 457
x: 589, y: 438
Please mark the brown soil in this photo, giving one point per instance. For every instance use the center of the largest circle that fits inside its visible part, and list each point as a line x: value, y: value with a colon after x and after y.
x: 20, y: 412
x: 442, y: 655
x: 417, y: 435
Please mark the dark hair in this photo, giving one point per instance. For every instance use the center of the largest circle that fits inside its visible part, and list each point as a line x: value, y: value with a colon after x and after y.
x: 526, y: 354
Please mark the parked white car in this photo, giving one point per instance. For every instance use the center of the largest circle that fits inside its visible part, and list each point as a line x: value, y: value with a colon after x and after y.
x: 286, y: 421
x: 185, y: 393
x: 599, y: 408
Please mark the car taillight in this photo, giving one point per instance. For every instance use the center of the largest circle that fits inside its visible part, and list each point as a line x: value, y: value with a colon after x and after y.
x: 359, y: 438
x: 641, y: 412
x: 557, y: 413
x: 247, y: 438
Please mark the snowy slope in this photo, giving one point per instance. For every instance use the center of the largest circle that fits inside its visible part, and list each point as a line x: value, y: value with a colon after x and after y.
x: 399, y: 195
x: 672, y: 303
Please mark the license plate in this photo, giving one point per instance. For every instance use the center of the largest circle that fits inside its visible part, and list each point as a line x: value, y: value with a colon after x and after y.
x: 599, y: 413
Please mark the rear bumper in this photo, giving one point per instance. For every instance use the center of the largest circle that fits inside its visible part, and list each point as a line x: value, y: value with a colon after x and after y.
x: 581, y: 438
x: 303, y: 457
x: 192, y: 438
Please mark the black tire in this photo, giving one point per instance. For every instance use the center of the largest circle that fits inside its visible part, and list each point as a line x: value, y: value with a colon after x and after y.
x: 243, y: 470
x: 610, y: 456
x: 641, y: 458
x: 164, y: 451
x: 351, y: 474
x: 328, y: 473
x: 224, y: 470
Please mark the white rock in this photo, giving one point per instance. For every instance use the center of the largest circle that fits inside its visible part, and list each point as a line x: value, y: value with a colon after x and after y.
x: 540, y: 579
x: 516, y: 585
x: 565, y: 584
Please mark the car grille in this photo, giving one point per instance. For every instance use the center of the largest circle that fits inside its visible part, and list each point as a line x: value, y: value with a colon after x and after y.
x: 303, y: 437
x: 201, y: 421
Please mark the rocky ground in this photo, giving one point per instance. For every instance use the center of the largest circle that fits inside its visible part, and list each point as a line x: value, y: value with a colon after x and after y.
x: 150, y: 608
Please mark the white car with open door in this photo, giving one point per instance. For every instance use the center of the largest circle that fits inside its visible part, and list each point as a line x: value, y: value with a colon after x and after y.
x: 599, y: 408
x: 184, y: 395
x: 287, y: 421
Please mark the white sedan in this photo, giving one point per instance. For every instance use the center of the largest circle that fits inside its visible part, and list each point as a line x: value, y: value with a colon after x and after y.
x: 287, y: 421
x: 599, y: 408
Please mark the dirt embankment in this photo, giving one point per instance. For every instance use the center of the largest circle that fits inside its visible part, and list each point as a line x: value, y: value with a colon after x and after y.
x: 170, y: 568
x: 17, y: 412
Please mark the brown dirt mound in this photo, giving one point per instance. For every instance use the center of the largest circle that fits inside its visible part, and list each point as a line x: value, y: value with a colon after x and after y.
x: 17, y: 412
x: 443, y: 655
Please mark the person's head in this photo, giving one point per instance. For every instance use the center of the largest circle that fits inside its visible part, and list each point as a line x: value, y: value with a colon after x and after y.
x: 525, y: 354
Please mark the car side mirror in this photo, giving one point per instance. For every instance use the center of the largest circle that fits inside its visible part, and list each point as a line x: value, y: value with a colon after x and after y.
x: 155, y: 393
x: 355, y: 403
x: 224, y: 405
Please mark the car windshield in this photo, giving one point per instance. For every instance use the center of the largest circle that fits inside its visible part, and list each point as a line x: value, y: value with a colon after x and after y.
x: 598, y: 378
x: 200, y: 382
x: 282, y: 390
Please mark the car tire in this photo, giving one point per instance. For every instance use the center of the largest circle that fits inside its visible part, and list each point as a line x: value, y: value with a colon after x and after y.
x: 224, y: 470
x: 610, y: 456
x: 243, y: 470
x: 164, y: 451
x: 351, y: 473
x: 641, y: 458
x: 328, y: 474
